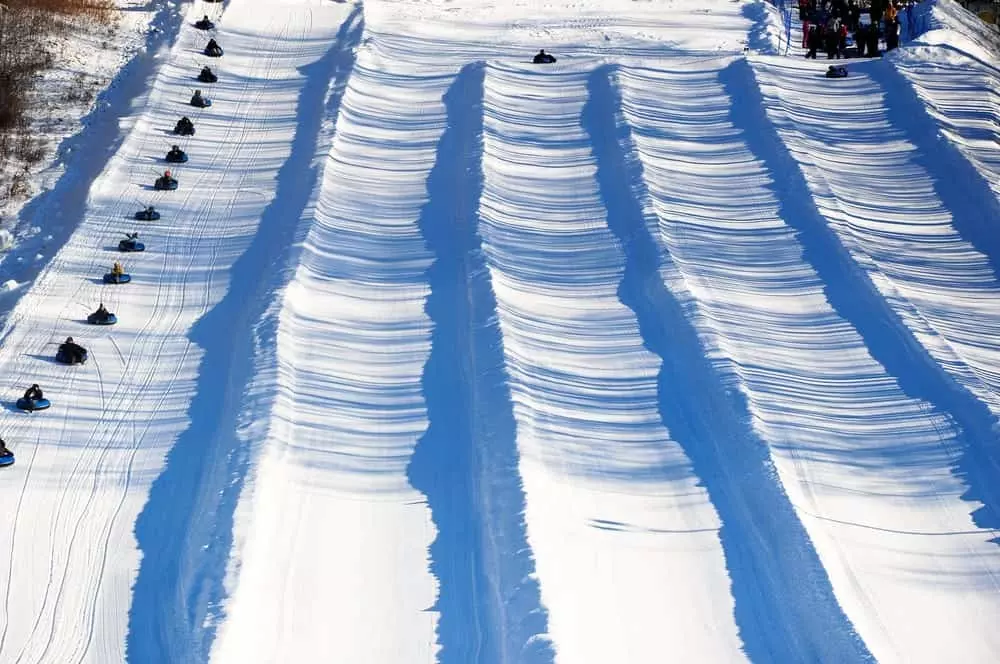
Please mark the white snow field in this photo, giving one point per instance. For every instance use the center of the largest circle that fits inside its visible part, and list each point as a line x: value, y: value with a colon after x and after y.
x: 666, y: 351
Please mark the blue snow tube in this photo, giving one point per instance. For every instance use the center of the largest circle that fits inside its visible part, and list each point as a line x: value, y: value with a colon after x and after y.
x: 110, y: 278
x: 147, y: 215
x: 33, y: 404
x: 7, y: 459
x: 176, y: 157
x: 164, y: 184
x: 131, y: 245
x: 94, y: 319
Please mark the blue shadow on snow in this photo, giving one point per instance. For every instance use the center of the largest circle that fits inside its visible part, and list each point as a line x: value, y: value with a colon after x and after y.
x: 185, y: 529
x: 856, y: 299
x: 466, y: 462
x: 961, y: 187
x: 785, y: 608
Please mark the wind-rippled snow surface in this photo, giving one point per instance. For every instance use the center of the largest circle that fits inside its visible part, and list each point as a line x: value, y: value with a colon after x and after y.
x: 662, y: 352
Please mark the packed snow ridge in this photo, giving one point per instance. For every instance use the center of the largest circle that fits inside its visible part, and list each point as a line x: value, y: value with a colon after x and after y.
x: 672, y: 349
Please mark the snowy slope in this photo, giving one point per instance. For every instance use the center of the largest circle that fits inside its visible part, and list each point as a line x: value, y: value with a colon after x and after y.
x: 868, y: 469
x: 661, y: 352
x: 614, y: 514
x: 87, y: 465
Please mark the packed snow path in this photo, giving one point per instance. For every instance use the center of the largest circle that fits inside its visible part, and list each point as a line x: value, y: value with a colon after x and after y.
x: 869, y: 470
x: 86, y: 466
x: 438, y: 356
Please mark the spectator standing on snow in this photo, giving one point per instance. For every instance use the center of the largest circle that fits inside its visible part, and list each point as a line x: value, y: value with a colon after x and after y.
x: 831, y: 39
x: 891, y: 33
x: 813, y: 41
x: 853, y: 14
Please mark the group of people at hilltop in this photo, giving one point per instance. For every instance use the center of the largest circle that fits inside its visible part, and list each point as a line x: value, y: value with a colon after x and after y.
x: 827, y: 24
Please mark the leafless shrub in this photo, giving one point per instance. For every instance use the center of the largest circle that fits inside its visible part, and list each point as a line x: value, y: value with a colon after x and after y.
x: 28, y: 31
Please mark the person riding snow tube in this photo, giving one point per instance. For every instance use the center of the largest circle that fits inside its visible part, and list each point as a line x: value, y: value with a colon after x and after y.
x: 148, y: 214
x: 176, y: 155
x: 212, y: 49
x: 199, y: 101
x: 71, y: 352
x: 184, y: 127
x: 6, y: 456
x: 207, y: 76
x: 838, y: 71
x: 204, y: 23
x: 131, y: 243
x: 117, y: 275
x: 102, y: 317
x: 165, y: 182
x: 33, y: 399
x: 543, y: 58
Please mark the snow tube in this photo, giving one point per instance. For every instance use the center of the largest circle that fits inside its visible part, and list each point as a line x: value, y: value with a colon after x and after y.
x: 202, y: 24
x: 94, y: 320
x: 63, y: 356
x: 110, y: 278
x: 33, y: 404
x: 183, y: 130
x: 7, y: 459
x: 205, y: 103
x: 131, y: 245
x: 146, y: 215
x: 176, y: 158
x: 836, y: 72
x: 208, y: 78
x: 165, y: 185
x: 213, y: 52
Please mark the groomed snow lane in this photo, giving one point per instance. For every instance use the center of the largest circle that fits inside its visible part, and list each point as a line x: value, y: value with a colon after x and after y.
x: 869, y: 469
x: 85, y: 467
x: 332, y: 510
x: 625, y: 541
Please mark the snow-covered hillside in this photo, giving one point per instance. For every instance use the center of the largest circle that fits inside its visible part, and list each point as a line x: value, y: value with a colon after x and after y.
x: 673, y: 349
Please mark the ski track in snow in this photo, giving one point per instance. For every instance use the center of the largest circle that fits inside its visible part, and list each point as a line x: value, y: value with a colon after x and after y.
x: 658, y: 352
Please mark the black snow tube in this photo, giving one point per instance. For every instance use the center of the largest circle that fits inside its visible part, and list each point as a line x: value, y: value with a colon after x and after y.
x: 131, y: 245
x: 66, y: 355
x: 97, y: 319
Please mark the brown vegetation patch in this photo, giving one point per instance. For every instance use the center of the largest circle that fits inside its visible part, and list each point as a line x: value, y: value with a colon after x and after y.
x: 29, y: 31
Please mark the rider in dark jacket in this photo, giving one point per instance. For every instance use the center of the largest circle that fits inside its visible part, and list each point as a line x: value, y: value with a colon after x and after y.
x: 73, y: 349
x: 33, y: 393
x: 543, y: 58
